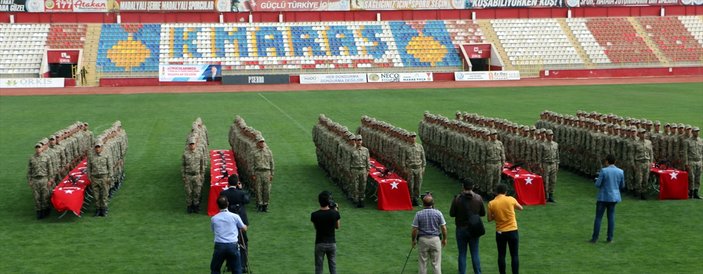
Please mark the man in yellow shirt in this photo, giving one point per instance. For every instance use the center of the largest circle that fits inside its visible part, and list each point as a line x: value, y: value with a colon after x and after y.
x: 502, y: 210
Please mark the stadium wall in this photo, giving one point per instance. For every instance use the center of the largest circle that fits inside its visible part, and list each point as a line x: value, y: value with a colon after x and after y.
x: 611, y: 73
x: 407, y: 15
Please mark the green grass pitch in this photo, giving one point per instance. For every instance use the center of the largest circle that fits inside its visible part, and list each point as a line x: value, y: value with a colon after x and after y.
x: 148, y: 230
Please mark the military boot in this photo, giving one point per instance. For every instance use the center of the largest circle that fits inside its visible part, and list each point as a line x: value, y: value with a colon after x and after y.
x: 265, y: 208
x: 103, y: 212
x: 47, y: 211
x: 98, y: 212
x: 360, y: 204
x: 190, y: 209
x: 415, y: 202
x: 550, y: 198
x: 196, y: 208
x: 695, y: 194
x: 690, y: 194
x: 40, y: 214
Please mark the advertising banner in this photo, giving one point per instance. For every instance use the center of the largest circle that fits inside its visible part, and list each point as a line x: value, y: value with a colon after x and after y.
x: 407, y: 4
x: 399, y: 77
x: 62, y: 56
x: 256, y: 79
x: 58, y: 6
x: 616, y: 3
x: 282, y: 5
x: 13, y: 5
x: 190, y: 73
x: 31, y: 83
x: 478, y: 51
x: 166, y: 5
x: 486, y: 75
x: 480, y: 4
x: 346, y: 78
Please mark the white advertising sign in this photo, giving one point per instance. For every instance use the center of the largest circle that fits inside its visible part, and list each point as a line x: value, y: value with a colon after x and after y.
x: 333, y: 78
x: 31, y: 83
x: 189, y: 73
x: 400, y: 77
x: 486, y: 75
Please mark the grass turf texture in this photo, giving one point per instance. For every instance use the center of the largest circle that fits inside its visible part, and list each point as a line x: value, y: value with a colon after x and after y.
x: 148, y: 230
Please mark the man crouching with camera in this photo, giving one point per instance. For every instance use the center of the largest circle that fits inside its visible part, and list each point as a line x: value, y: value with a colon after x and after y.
x: 326, y: 221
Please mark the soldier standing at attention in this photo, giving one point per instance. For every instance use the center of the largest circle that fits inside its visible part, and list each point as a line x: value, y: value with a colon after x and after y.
x: 414, y: 162
x: 39, y: 177
x: 263, y: 174
x: 495, y: 158
x: 100, y: 168
x: 693, y: 162
x: 359, y: 171
x: 643, y: 159
x: 192, y: 170
x: 550, y: 165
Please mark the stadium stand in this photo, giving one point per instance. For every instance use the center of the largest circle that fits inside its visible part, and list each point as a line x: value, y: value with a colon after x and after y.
x: 129, y: 48
x: 595, y: 51
x: 22, y: 47
x: 66, y: 36
x: 673, y: 38
x: 525, y: 42
x: 621, y: 41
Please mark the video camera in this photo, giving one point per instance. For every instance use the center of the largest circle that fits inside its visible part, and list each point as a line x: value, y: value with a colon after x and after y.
x: 422, y: 196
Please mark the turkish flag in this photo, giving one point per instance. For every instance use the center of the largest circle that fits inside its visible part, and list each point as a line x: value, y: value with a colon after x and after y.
x: 220, y: 161
x: 70, y: 192
x: 529, y: 187
x: 673, y: 184
x: 392, y: 190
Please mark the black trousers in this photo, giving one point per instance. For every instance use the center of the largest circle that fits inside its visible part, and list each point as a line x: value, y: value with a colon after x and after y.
x: 511, y: 240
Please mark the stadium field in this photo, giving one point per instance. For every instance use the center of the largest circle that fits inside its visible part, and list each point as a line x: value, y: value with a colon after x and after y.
x: 148, y: 230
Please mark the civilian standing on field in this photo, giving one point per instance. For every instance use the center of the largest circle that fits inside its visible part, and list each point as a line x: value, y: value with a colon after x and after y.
x: 502, y: 210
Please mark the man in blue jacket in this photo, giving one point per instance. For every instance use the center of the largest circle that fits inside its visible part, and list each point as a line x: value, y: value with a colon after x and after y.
x: 610, y: 181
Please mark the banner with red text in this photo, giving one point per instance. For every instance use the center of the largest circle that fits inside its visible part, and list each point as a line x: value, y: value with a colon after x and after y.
x: 481, y: 4
x: 620, y: 3
x: 282, y: 5
x: 68, y: 5
x: 407, y: 4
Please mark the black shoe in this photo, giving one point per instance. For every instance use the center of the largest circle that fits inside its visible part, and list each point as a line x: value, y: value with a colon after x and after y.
x: 47, y: 212
x: 690, y: 194
x: 695, y: 194
x: 360, y: 204
x: 550, y: 199
x: 609, y: 241
x: 245, y: 270
x: 40, y: 214
x: 103, y: 212
x: 265, y: 208
x: 260, y: 208
x: 196, y: 209
x: 593, y: 241
x: 415, y: 202
x: 643, y: 196
x: 98, y: 212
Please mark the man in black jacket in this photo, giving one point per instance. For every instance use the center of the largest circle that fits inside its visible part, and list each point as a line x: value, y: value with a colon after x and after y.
x: 238, y: 198
x: 465, y: 204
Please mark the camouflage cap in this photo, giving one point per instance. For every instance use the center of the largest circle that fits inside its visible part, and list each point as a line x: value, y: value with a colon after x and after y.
x: 260, y: 138
x: 98, y: 143
x: 550, y: 132
x: 358, y: 137
x: 696, y: 129
x: 656, y: 122
x: 191, y: 140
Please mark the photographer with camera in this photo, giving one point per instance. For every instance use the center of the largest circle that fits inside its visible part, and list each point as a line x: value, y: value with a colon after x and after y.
x: 427, y: 226
x: 326, y: 221
x: 237, y: 199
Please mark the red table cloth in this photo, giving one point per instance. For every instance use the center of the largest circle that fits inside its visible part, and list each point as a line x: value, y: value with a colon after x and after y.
x: 69, y: 194
x: 220, y: 161
x: 529, y: 187
x: 673, y: 183
x: 392, y: 190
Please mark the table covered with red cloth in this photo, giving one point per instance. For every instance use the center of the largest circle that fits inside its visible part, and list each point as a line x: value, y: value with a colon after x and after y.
x: 70, y: 192
x: 529, y: 187
x: 392, y: 190
x: 673, y: 183
x: 220, y: 160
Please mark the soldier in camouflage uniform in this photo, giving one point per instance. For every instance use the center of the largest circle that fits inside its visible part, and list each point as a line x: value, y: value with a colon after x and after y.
x: 359, y: 167
x: 192, y: 171
x: 263, y: 166
x: 100, y: 171
x: 550, y: 165
x: 643, y: 161
x: 414, y: 162
x: 694, y: 162
x: 495, y: 158
x: 40, y: 177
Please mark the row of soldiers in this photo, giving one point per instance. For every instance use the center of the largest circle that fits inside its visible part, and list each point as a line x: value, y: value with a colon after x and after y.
x: 194, y: 164
x: 54, y: 157
x: 341, y: 154
x: 472, y: 153
x: 395, y: 147
x: 635, y: 143
x: 105, y: 166
x: 532, y: 148
x: 254, y: 161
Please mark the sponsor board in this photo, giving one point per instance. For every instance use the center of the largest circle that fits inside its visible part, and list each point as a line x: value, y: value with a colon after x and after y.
x: 256, y: 79
x: 479, y: 4
x: 166, y: 5
x: 407, y: 4
x: 345, y: 78
x: 286, y: 5
x: 31, y: 83
x: 62, y: 56
x: 13, y: 5
x: 399, y: 77
x: 486, y: 75
x: 190, y: 73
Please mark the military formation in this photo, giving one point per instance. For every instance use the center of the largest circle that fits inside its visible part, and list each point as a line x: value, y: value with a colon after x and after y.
x: 105, y: 166
x: 467, y: 151
x: 54, y: 157
x: 194, y: 163
x: 341, y: 154
x: 396, y: 148
x: 636, y: 143
x: 254, y: 161
x: 533, y: 149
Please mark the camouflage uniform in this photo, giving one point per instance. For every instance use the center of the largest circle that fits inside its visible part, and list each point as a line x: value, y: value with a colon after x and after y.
x: 39, y: 175
x: 263, y: 165
x: 192, y: 171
